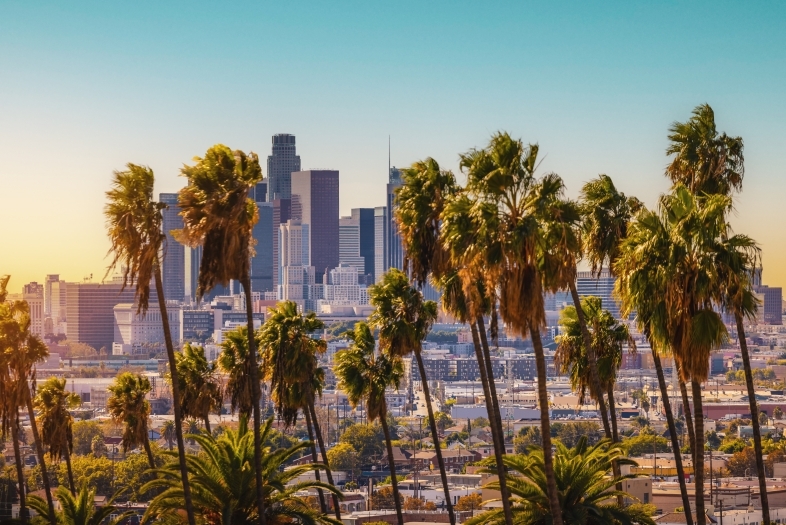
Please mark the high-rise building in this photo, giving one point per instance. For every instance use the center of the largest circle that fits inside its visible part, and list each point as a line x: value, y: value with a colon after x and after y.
x: 259, y: 192
x: 48, y: 293
x: 771, y: 308
x: 90, y: 316
x: 262, y: 261
x: 315, y: 204
x: 173, y: 268
x: 58, y: 304
x: 603, y: 287
x: 33, y: 294
x: 380, y: 241
x: 280, y: 166
x: 282, y: 209
x: 349, y: 244
x: 296, y: 276
x: 133, y: 333
x: 395, y: 250
x: 365, y: 218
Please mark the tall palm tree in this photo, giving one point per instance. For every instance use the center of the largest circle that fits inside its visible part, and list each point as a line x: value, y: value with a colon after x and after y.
x: 224, y: 485
x: 219, y: 216
x: 608, y: 337
x: 199, y: 388
x: 421, y: 205
x: 290, y: 354
x: 365, y: 375
x: 22, y: 351
x: 53, y: 402
x: 404, y: 319
x: 168, y: 433
x: 135, y: 228
x: 233, y: 361
x: 584, y: 483
x: 520, y: 236
x: 127, y: 404
x: 80, y: 509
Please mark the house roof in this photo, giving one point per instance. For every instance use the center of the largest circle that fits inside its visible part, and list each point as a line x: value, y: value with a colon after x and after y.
x: 678, y: 517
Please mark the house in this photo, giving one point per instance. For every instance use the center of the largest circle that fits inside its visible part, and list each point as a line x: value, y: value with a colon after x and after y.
x: 454, y: 459
x: 400, y: 456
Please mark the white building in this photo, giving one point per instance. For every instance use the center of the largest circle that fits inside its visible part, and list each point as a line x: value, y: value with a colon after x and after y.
x: 342, y: 295
x: 33, y: 293
x: 295, y: 275
x: 349, y: 243
x: 133, y: 330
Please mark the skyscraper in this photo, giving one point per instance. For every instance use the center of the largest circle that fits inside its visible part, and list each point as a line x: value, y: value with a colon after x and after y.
x: 33, y: 293
x: 281, y: 214
x: 262, y: 262
x: 280, y: 166
x: 48, y: 293
x: 395, y: 250
x: 365, y: 218
x: 349, y: 244
x: 296, y: 277
x: 602, y: 287
x: 380, y: 241
x: 315, y: 204
x: 174, y: 254
x: 90, y: 316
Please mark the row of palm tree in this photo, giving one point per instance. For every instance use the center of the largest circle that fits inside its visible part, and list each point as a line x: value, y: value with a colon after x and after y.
x: 497, y: 244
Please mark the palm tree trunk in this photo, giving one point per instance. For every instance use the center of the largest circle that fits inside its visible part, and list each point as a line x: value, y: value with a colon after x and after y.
x: 256, y: 394
x: 69, y: 470
x: 591, y: 359
x: 435, y: 436
x: 207, y: 425
x: 746, y: 363
x: 149, y: 451
x: 20, y: 473
x: 392, y: 463
x: 688, y: 419
x: 40, y: 450
x: 494, y: 419
x: 545, y: 428
x: 170, y: 351
x: 698, y: 467
x: 615, y: 466
x: 675, y: 443
x: 321, y: 442
x: 322, y: 504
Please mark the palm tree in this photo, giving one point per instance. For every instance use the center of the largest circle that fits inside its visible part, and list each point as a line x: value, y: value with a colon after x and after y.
x: 584, y: 484
x: 520, y: 236
x: 22, y: 351
x: 608, y: 338
x: 219, y: 216
x: 421, y: 206
x: 135, y: 228
x: 127, y: 405
x: 199, y: 389
x: 290, y: 354
x: 168, y: 433
x: 224, y: 485
x: 80, y: 509
x: 404, y: 319
x: 53, y: 402
x: 365, y: 375
x: 233, y: 361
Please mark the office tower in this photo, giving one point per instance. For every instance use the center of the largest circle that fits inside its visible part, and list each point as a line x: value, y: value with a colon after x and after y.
x: 281, y: 214
x: 33, y: 294
x: 296, y: 276
x: 315, y: 204
x: 365, y: 218
x: 280, y: 166
x: 259, y: 192
x: 173, y: 268
x: 380, y: 241
x: 603, y: 287
x: 90, y: 316
x: 262, y: 261
x: 395, y: 250
x: 193, y: 260
x: 48, y: 293
x: 349, y: 244
x: 136, y: 333
x: 58, y: 304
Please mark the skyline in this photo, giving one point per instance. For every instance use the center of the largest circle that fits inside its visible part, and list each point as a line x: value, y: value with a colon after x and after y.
x: 87, y: 89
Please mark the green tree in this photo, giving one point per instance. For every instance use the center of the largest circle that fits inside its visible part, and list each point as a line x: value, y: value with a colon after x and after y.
x: 742, y: 462
x: 98, y: 446
x: 712, y: 440
x: 646, y: 442
x: 199, y: 387
x: 585, y: 487
x: 368, y: 440
x: 135, y: 227
x: 219, y: 217
x: 403, y: 319
x: 53, y: 403
x: 134, y: 472
x: 527, y: 437
x: 84, y: 432
x: 224, y: 490
x: 443, y: 421
x: 365, y: 375
x: 127, y: 404
x: 777, y: 413
x: 343, y: 457
x: 80, y: 509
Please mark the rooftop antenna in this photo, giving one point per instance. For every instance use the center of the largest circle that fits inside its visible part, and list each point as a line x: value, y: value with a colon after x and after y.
x: 388, y: 155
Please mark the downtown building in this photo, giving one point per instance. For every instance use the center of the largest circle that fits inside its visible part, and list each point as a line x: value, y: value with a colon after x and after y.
x: 90, y: 317
x: 315, y: 207
x: 173, y: 266
x: 33, y: 294
x: 139, y: 333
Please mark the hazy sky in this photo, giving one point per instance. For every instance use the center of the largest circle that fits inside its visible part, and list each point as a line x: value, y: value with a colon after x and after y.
x: 87, y: 86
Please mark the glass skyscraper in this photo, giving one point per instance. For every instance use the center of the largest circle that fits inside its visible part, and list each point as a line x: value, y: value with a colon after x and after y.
x: 315, y: 204
x: 280, y: 166
x: 173, y: 267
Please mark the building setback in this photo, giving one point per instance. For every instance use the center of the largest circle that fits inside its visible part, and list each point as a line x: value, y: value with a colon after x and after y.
x: 173, y: 267
x: 315, y: 205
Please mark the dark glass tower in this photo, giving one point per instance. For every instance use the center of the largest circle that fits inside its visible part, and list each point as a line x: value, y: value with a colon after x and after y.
x: 280, y: 166
x: 174, y: 255
x: 395, y: 251
x: 315, y: 203
x: 367, y: 240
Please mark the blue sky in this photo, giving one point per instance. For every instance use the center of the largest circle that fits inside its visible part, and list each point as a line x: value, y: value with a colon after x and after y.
x: 87, y: 86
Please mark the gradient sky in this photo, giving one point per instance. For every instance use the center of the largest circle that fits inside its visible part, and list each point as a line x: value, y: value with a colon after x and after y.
x: 87, y: 86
